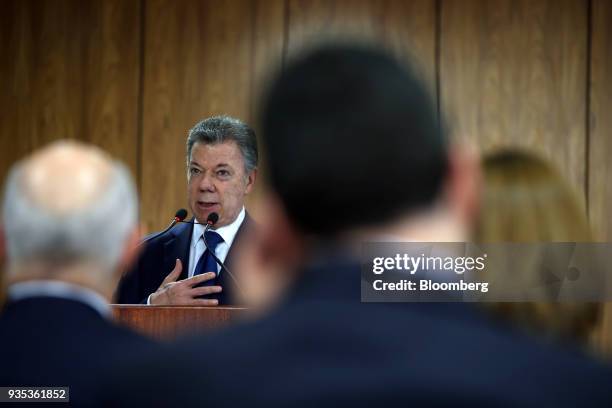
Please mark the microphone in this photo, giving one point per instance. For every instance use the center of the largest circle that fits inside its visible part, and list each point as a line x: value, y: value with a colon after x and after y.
x: 179, y: 216
x: 212, y: 219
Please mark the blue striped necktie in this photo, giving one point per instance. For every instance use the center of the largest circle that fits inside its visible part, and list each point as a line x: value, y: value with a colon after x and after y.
x: 207, y: 263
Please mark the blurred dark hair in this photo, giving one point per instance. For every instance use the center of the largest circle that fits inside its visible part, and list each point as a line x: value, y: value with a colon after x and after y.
x: 353, y: 139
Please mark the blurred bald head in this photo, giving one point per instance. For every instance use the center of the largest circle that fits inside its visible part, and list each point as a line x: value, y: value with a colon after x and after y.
x: 65, y: 177
x: 65, y: 204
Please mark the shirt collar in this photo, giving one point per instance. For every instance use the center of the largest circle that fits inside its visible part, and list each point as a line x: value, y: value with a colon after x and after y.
x: 227, y: 232
x: 62, y: 290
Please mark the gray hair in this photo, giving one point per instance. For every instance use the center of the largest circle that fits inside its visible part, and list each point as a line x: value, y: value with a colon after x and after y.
x: 96, y: 232
x: 220, y: 129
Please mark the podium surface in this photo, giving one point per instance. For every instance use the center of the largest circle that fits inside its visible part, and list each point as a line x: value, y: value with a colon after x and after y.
x: 169, y: 322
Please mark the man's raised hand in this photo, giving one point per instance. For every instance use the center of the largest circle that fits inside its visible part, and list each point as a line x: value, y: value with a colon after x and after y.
x: 184, y: 292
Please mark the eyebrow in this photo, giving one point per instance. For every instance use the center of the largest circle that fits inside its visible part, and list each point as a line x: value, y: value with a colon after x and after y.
x: 193, y: 163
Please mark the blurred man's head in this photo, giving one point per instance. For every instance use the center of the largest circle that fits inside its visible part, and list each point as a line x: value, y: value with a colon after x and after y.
x: 354, y: 141
x: 69, y: 213
x: 221, y: 167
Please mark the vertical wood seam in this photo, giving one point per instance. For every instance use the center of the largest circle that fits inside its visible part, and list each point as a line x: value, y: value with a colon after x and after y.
x: 140, y: 107
x: 587, y: 124
x: 252, y: 62
x: 437, y: 56
x: 81, y: 125
x: 285, y: 35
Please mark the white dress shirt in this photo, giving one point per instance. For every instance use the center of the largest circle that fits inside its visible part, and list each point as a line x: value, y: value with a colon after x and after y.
x: 61, y: 290
x: 197, y: 247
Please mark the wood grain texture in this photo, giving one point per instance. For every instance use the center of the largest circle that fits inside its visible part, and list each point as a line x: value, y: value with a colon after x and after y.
x: 268, y: 42
x: 600, y: 151
x: 514, y: 73
x: 407, y: 28
x: 200, y: 60
x: 169, y: 322
x: 69, y: 70
x: 268, y: 45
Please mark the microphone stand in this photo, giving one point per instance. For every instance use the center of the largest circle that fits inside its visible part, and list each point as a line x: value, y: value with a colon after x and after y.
x: 221, y: 264
x: 175, y: 221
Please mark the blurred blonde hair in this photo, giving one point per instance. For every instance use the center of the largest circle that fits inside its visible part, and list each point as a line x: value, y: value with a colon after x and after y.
x: 525, y: 199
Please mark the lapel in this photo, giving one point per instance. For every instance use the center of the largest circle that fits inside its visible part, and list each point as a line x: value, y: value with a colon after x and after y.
x: 226, y: 297
x: 178, y: 247
x: 240, y: 234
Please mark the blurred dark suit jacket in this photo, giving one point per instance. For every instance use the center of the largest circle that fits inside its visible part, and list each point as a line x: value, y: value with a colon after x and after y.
x: 323, y: 347
x: 48, y: 341
x: 159, y: 257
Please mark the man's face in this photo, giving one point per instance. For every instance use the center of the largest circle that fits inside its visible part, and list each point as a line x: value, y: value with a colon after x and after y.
x: 217, y: 181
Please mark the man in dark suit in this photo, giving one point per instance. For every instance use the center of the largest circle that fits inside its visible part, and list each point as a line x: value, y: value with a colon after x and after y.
x: 356, y: 153
x: 176, y: 268
x: 70, y: 225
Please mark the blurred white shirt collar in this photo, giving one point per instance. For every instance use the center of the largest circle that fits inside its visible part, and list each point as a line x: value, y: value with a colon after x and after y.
x: 228, y: 233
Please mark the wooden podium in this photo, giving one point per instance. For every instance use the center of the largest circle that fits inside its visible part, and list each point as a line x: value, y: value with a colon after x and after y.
x: 169, y: 322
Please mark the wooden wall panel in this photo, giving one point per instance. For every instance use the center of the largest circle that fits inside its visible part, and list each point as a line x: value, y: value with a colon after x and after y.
x: 600, y: 151
x: 69, y: 69
x: 200, y: 60
x: 407, y: 28
x: 600, y: 157
x: 513, y: 72
x: 269, y: 42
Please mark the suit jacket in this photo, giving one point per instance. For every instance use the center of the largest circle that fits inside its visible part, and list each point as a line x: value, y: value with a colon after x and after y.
x: 323, y: 347
x: 48, y: 341
x: 159, y: 257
